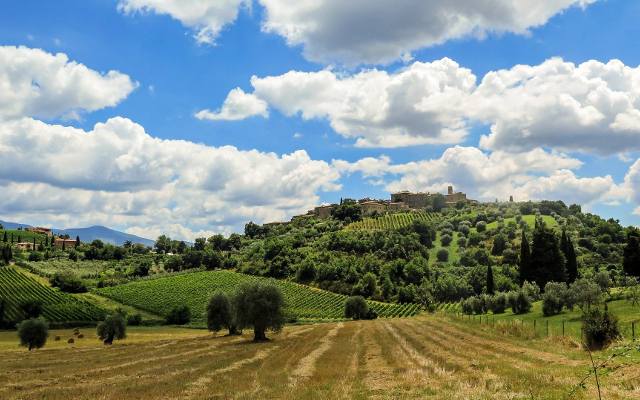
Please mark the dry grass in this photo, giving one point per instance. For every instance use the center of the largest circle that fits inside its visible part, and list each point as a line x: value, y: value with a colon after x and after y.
x: 425, y: 357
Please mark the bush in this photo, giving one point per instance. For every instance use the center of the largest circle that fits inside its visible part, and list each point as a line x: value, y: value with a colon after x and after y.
x: 36, y: 256
x: 462, y: 242
x: 134, y: 320
x: 585, y: 293
x: 259, y: 306
x: 112, y: 328
x: 481, y: 226
x: 179, y: 315
x: 33, y: 333
x: 31, y: 309
x: 445, y: 240
x: 498, y: 303
x: 356, y: 308
x: 519, y: 302
x: 532, y: 290
x: 68, y: 282
x: 442, y: 255
x: 599, y: 328
x: 554, y: 297
x: 306, y: 272
x: 371, y: 314
x: 220, y: 314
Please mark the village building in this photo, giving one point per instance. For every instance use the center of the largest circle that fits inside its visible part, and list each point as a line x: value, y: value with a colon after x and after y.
x: 28, y: 246
x: 451, y: 198
x: 371, y: 207
x: 323, y: 212
x: 66, y: 243
x: 39, y: 229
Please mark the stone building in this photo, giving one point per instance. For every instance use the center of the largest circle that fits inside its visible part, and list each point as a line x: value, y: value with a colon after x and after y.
x: 370, y: 207
x: 412, y: 200
x: 41, y: 230
x: 66, y: 243
x: 324, y: 212
x: 452, y: 198
x: 24, y: 246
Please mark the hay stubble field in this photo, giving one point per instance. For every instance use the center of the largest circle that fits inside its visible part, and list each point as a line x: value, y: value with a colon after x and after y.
x: 420, y: 357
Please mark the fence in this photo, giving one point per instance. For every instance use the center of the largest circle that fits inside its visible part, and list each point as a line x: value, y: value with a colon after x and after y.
x: 544, y: 327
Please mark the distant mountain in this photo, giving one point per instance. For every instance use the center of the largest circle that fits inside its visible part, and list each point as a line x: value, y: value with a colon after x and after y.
x: 91, y: 233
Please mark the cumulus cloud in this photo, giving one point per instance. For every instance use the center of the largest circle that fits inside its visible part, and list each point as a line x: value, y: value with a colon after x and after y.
x: 238, y: 105
x: 631, y: 186
x: 593, y: 107
x: 534, y: 175
x: 416, y: 105
x: 39, y: 84
x: 206, y: 17
x: 365, y: 31
x: 119, y: 175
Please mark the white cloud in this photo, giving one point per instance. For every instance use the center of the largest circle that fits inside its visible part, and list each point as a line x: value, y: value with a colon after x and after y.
x: 531, y: 175
x: 631, y: 186
x: 119, y: 175
x: 238, y: 105
x: 416, y: 105
x: 592, y: 107
x: 39, y: 84
x: 206, y: 17
x: 366, y: 31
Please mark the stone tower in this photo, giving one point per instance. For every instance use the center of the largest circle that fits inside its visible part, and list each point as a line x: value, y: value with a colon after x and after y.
x: 450, y: 190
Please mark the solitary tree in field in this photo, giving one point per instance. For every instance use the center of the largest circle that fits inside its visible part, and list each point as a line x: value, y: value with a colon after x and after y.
x: 114, y: 327
x: 259, y: 306
x: 356, y: 307
x: 220, y: 314
x: 33, y: 333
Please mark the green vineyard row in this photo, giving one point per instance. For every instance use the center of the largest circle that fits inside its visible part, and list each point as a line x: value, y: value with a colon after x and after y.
x: 391, y: 221
x: 160, y: 295
x: 17, y: 288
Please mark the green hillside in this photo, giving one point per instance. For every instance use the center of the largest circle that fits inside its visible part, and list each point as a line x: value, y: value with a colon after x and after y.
x: 21, y: 235
x: 392, y: 221
x: 529, y: 219
x: 16, y: 287
x: 159, y: 295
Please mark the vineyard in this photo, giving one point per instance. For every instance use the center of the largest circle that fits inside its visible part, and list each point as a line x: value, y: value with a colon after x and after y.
x: 16, y: 288
x: 391, y: 221
x: 159, y: 295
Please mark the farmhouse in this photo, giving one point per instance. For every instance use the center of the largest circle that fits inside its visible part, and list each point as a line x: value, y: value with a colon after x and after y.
x: 24, y: 246
x: 323, y: 212
x: 370, y: 207
x: 66, y: 243
x: 39, y: 229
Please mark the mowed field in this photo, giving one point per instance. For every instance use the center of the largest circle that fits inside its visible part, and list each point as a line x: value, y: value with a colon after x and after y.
x: 419, y: 357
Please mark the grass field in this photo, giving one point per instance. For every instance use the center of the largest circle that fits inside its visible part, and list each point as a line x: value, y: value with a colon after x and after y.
x: 425, y: 357
x: 571, y: 320
x: 25, y: 236
x: 160, y: 295
x: 18, y: 286
x: 391, y: 221
x: 83, y: 269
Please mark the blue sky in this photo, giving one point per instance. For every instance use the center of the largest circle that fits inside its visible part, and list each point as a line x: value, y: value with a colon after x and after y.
x: 175, y: 76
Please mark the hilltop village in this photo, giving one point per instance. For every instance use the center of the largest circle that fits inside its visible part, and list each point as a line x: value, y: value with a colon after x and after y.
x: 399, y: 201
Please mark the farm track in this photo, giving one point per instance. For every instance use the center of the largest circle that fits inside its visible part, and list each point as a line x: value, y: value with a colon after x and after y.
x: 425, y: 357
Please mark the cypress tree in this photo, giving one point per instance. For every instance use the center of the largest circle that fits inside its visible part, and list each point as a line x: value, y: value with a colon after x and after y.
x: 5, y: 238
x: 570, y: 256
x: 490, y: 284
x: 547, y: 261
x: 34, y: 243
x: 77, y: 241
x: 525, y: 260
x: 631, y: 262
x: 11, y: 238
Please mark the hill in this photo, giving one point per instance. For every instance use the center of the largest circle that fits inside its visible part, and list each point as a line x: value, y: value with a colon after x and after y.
x: 161, y: 294
x: 392, y: 221
x: 89, y: 234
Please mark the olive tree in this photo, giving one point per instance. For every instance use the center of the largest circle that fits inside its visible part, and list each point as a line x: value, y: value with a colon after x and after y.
x: 114, y: 327
x: 220, y: 314
x: 356, y: 307
x: 33, y: 333
x: 259, y: 306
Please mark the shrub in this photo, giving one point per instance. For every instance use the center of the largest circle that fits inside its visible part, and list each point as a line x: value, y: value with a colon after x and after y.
x: 112, y: 328
x: 36, y: 256
x: 220, y: 314
x: 33, y: 333
x: 306, y: 272
x: 134, y: 320
x: 371, y: 314
x: 179, y: 315
x: 68, y: 282
x: 519, y: 302
x: 599, y: 328
x: 467, y: 307
x: 31, y: 309
x: 356, y: 308
x: 532, y: 290
x: 498, y: 303
x: 481, y: 226
x: 259, y: 306
x: 445, y: 240
x: 442, y: 255
x: 553, y: 298
x: 462, y: 242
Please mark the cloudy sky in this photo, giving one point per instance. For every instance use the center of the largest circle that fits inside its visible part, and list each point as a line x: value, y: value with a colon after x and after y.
x: 190, y: 117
